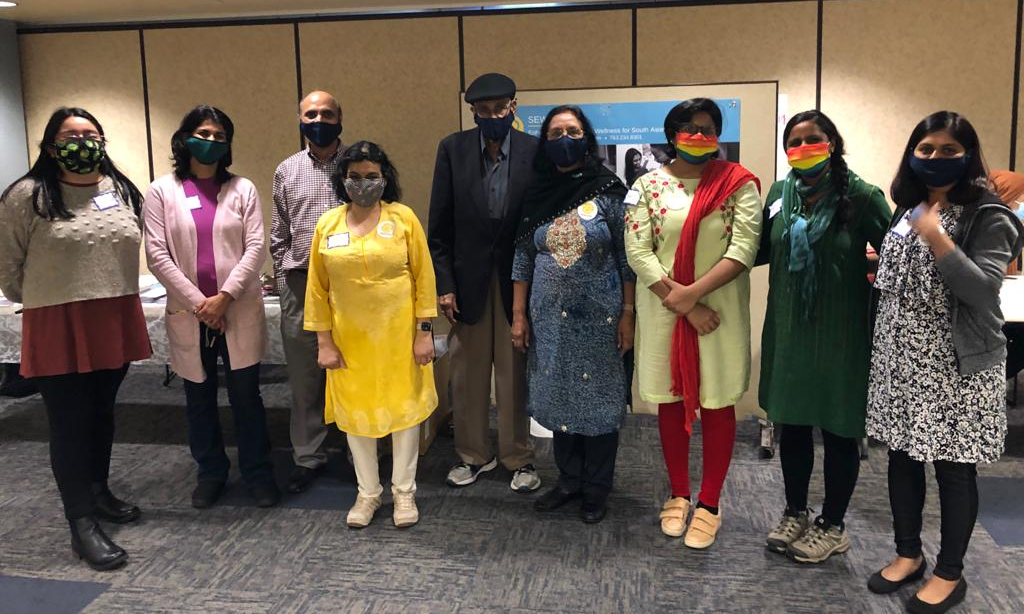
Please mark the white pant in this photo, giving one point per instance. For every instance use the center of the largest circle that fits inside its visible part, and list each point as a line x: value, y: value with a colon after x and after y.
x: 405, y: 450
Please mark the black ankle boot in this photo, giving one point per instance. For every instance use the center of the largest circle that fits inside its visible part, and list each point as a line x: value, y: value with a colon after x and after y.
x: 91, y: 544
x: 112, y: 509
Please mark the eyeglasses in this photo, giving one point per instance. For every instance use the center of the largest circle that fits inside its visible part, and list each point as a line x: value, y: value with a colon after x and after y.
x: 60, y: 138
x: 708, y: 131
x: 498, y: 111
x: 573, y: 133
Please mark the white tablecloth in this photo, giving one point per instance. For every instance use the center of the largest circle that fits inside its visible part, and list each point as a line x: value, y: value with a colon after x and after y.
x: 10, y: 333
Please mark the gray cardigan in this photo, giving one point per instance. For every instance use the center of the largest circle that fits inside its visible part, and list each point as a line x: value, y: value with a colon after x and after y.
x: 988, y: 237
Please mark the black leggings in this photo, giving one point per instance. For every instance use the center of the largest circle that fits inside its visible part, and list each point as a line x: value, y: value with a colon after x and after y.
x: 958, y: 502
x: 80, y: 408
x: 842, y: 466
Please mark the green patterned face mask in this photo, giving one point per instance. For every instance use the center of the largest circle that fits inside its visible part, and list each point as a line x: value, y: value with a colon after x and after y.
x: 79, y: 155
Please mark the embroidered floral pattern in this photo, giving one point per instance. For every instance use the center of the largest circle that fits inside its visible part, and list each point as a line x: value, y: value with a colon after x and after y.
x: 728, y: 213
x: 567, y: 239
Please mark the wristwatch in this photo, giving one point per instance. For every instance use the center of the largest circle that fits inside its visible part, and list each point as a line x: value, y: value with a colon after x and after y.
x: 425, y: 327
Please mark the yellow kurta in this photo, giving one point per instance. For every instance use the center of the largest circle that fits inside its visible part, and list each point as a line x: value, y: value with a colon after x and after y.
x: 653, y: 227
x: 369, y: 291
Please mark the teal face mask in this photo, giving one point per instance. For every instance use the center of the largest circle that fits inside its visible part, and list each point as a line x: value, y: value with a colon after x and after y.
x: 206, y: 152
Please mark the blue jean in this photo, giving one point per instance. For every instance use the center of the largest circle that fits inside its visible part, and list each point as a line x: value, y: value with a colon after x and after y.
x: 204, y: 432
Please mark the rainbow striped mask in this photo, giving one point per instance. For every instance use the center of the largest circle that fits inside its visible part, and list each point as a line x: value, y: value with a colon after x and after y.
x: 808, y: 160
x: 696, y: 148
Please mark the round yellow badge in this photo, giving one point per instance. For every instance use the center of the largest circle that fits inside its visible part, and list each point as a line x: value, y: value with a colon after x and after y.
x: 587, y: 211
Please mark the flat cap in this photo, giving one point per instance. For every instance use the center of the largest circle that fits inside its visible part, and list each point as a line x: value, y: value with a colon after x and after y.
x: 491, y: 86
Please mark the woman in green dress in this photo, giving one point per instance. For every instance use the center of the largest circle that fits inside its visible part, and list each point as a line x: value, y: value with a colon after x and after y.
x: 816, y: 344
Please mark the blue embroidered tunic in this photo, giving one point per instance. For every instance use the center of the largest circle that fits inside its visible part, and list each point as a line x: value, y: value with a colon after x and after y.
x: 576, y: 265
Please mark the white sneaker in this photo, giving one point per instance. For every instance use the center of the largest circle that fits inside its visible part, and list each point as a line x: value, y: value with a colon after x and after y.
x: 465, y: 474
x: 525, y: 479
x: 406, y: 512
x: 361, y: 514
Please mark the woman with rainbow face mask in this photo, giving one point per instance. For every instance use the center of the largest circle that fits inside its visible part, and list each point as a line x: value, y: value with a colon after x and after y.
x: 692, y: 233
x: 816, y: 343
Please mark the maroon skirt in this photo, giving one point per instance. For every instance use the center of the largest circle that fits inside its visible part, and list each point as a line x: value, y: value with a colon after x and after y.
x: 83, y: 336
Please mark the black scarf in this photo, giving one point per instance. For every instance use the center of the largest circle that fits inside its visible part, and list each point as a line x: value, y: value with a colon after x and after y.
x: 553, y: 194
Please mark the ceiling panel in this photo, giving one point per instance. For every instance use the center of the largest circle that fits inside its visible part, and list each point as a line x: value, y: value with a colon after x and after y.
x: 67, y: 12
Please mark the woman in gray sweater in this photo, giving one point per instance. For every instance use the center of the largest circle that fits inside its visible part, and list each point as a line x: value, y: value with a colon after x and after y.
x: 69, y: 252
x: 937, y: 382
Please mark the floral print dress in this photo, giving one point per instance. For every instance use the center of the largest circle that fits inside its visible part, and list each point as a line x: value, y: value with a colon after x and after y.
x: 918, y: 402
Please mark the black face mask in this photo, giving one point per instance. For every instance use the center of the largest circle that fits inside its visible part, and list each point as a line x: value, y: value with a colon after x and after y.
x: 320, y: 134
x: 565, y: 151
x: 495, y: 128
x: 938, y: 172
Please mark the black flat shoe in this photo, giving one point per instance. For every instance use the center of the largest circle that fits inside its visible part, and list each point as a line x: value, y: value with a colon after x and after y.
x: 881, y: 586
x: 266, y: 495
x: 91, y: 544
x: 592, y: 512
x: 206, y: 493
x: 554, y: 499
x: 916, y: 606
x: 112, y: 509
x: 300, y: 479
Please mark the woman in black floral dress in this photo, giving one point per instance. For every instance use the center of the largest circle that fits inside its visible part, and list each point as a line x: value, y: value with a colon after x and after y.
x: 936, y: 391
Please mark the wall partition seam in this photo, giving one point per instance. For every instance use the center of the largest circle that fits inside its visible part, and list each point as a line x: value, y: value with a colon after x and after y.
x: 298, y: 76
x: 1015, y: 109
x: 145, y: 103
x: 633, y: 17
x: 462, y: 56
x: 817, y: 65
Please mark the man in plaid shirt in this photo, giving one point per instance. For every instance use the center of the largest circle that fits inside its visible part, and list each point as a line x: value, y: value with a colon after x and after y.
x: 302, y: 193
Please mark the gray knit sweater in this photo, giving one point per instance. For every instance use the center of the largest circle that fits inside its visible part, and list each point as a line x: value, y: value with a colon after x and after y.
x: 93, y: 256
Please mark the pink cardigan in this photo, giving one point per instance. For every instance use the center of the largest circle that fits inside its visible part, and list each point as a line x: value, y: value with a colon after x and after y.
x: 239, y: 250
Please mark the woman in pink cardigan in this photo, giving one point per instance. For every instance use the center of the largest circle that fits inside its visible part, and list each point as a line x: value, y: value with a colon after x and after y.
x: 205, y: 243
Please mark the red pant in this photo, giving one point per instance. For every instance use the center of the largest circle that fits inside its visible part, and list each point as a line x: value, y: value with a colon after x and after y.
x: 718, y: 431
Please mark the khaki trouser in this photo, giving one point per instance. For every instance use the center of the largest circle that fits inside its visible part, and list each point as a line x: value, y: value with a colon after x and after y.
x: 474, y: 349
x: 308, y: 381
x: 405, y: 452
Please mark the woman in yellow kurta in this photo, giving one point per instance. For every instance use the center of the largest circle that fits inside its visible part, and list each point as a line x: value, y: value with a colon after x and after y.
x: 370, y: 296
x: 713, y: 297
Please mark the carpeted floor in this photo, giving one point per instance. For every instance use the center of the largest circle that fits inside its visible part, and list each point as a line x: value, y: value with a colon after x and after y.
x: 478, y: 549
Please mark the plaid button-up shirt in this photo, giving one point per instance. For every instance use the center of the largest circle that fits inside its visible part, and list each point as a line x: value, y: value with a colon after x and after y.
x: 302, y: 193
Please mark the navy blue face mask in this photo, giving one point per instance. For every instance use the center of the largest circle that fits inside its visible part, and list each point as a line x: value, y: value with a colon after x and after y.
x: 495, y: 128
x: 565, y: 151
x: 938, y: 172
x: 320, y: 134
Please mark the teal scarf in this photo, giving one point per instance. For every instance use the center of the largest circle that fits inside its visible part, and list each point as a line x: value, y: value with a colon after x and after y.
x: 801, y: 233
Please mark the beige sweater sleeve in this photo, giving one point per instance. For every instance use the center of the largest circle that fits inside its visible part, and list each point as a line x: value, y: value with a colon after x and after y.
x: 16, y: 217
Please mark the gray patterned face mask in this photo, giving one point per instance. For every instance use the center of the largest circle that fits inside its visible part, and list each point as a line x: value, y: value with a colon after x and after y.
x: 365, y: 192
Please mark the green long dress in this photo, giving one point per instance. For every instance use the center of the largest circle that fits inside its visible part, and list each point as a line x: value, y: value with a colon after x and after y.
x: 815, y: 372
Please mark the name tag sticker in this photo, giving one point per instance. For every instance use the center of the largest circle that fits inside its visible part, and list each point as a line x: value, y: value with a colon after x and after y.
x: 774, y: 208
x: 587, y: 211
x: 337, y: 240
x: 632, y: 197
x: 386, y: 229
x: 193, y: 203
x: 104, y: 201
x: 902, y: 229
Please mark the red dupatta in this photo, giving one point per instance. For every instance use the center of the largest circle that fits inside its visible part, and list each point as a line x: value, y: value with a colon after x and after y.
x: 719, y: 180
